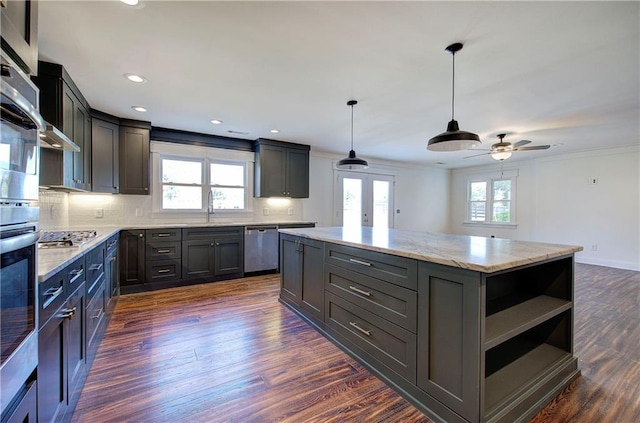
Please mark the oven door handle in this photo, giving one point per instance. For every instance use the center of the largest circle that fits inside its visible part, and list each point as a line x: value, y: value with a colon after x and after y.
x: 8, y: 245
x: 23, y: 104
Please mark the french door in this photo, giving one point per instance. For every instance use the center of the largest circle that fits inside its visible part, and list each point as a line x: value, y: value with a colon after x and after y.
x: 364, y: 199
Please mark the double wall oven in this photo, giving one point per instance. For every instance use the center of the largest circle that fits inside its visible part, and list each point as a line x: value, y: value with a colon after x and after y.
x: 19, y: 163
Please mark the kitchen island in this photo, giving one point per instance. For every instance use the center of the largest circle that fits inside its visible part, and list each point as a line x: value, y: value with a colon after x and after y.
x: 468, y: 329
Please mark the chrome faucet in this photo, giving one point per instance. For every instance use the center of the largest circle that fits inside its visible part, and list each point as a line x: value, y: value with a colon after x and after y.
x: 209, y: 205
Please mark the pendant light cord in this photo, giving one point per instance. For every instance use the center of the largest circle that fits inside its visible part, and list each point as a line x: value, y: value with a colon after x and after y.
x: 352, y: 126
x: 453, y: 86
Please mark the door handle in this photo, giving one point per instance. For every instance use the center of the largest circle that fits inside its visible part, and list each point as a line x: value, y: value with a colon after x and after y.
x: 364, y: 263
x: 360, y: 291
x: 355, y: 325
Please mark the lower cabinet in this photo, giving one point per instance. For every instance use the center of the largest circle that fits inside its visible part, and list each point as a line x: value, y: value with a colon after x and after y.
x: 210, y: 254
x: 112, y: 276
x: 131, y: 252
x: 27, y: 410
x: 301, y: 273
x: 61, y: 358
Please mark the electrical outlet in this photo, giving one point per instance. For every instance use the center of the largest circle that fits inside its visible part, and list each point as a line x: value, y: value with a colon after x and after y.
x: 138, y: 212
x: 265, y: 211
x: 98, y: 213
x: 290, y: 211
x: 593, y: 181
x: 398, y: 211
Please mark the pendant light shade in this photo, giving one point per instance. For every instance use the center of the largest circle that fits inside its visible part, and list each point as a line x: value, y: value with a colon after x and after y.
x: 352, y: 162
x: 453, y: 139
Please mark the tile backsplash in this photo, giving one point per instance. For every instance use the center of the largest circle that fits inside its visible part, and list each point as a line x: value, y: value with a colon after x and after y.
x: 75, y: 210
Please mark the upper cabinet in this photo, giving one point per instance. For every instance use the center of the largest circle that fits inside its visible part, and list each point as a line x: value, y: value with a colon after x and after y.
x: 281, y: 169
x: 63, y: 105
x: 120, y: 147
x: 20, y: 33
x: 134, y: 157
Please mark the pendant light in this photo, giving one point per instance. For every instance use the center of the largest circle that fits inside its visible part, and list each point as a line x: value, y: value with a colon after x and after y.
x: 453, y: 139
x: 352, y: 162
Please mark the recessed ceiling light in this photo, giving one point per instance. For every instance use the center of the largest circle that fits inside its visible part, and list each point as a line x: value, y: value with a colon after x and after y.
x: 274, y: 131
x: 216, y: 121
x: 139, y: 108
x: 135, y: 78
x: 130, y: 2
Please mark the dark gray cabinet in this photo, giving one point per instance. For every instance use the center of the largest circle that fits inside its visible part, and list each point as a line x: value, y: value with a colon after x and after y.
x: 112, y: 276
x: 281, y: 169
x: 96, y: 318
x: 163, y: 255
x: 63, y: 105
x: 212, y: 253
x: 301, y: 270
x: 105, y: 136
x: 132, y: 259
x: 27, y: 410
x: 134, y: 171
x: 61, y: 344
x: 20, y: 33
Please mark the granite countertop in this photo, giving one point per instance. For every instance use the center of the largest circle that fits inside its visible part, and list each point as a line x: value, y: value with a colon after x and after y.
x: 481, y: 254
x: 52, y: 260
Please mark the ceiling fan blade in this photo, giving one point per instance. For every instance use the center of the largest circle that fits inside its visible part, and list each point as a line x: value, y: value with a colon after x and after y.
x: 476, y: 155
x: 521, y: 143
x: 533, y: 147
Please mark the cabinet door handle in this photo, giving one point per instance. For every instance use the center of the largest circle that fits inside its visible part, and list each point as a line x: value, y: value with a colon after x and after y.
x: 163, y: 251
x: 146, y: 188
x: 164, y: 270
x: 96, y: 266
x: 140, y: 235
x: 68, y: 313
x: 112, y: 258
x: 355, y: 325
x: 360, y: 291
x: 364, y: 263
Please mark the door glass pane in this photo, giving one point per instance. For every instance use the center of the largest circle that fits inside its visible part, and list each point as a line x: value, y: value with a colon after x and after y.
x: 351, y: 202
x: 381, y: 204
x: 181, y: 197
x: 181, y: 172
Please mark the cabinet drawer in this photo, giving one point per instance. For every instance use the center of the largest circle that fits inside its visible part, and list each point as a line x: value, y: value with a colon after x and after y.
x: 157, y: 250
x: 75, y: 274
x: 397, y: 270
x: 394, y: 303
x: 215, y: 232
x: 95, y: 265
x: 51, y: 295
x: 95, y: 315
x: 94, y: 287
x: 161, y: 270
x: 388, y: 343
x: 173, y: 234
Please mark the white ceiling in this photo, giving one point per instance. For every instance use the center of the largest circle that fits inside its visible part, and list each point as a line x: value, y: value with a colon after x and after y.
x: 559, y: 73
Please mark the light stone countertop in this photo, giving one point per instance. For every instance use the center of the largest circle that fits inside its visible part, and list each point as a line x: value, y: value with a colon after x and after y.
x: 52, y: 260
x: 476, y: 253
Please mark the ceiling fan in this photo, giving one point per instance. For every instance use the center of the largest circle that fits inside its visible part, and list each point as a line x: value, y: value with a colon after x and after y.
x: 502, y: 150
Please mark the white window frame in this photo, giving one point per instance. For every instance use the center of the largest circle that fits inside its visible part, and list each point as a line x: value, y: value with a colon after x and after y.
x: 206, y: 155
x: 489, y: 180
x: 208, y: 163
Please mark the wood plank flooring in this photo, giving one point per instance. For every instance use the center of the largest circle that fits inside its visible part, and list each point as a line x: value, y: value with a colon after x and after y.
x: 230, y: 352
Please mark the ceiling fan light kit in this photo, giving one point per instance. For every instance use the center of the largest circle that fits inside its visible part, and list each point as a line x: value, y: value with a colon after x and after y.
x: 453, y: 139
x: 352, y: 162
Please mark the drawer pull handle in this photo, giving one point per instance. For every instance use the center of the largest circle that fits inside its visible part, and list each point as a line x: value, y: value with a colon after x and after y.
x: 164, y: 270
x: 360, y: 291
x: 75, y: 274
x: 364, y: 263
x: 98, y: 314
x: 163, y: 251
x: 53, y: 292
x: 355, y: 325
x: 163, y: 235
x: 112, y: 258
x: 95, y: 266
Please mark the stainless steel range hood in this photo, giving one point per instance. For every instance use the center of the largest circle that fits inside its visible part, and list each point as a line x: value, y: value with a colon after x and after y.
x: 54, y: 138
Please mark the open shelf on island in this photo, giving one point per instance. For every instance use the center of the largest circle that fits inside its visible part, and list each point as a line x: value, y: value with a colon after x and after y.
x: 519, y: 361
x: 514, y: 320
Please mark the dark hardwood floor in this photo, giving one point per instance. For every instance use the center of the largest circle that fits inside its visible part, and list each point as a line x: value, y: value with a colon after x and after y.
x: 230, y: 352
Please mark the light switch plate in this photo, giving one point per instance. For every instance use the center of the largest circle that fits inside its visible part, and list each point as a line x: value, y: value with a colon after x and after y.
x: 99, y: 213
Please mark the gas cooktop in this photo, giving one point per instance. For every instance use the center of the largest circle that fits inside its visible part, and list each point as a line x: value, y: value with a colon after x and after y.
x: 65, y: 239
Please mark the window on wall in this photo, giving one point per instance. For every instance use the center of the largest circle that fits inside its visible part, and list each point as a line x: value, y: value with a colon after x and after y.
x: 491, y: 201
x: 187, y: 182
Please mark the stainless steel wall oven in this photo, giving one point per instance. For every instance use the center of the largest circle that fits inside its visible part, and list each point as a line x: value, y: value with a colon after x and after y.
x: 19, y: 155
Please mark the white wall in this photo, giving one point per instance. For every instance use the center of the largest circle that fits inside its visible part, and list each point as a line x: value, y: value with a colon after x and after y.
x: 421, y: 193
x: 556, y: 203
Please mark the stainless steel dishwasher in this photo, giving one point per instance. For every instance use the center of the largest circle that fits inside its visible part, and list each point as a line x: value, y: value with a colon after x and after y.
x: 260, y: 248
